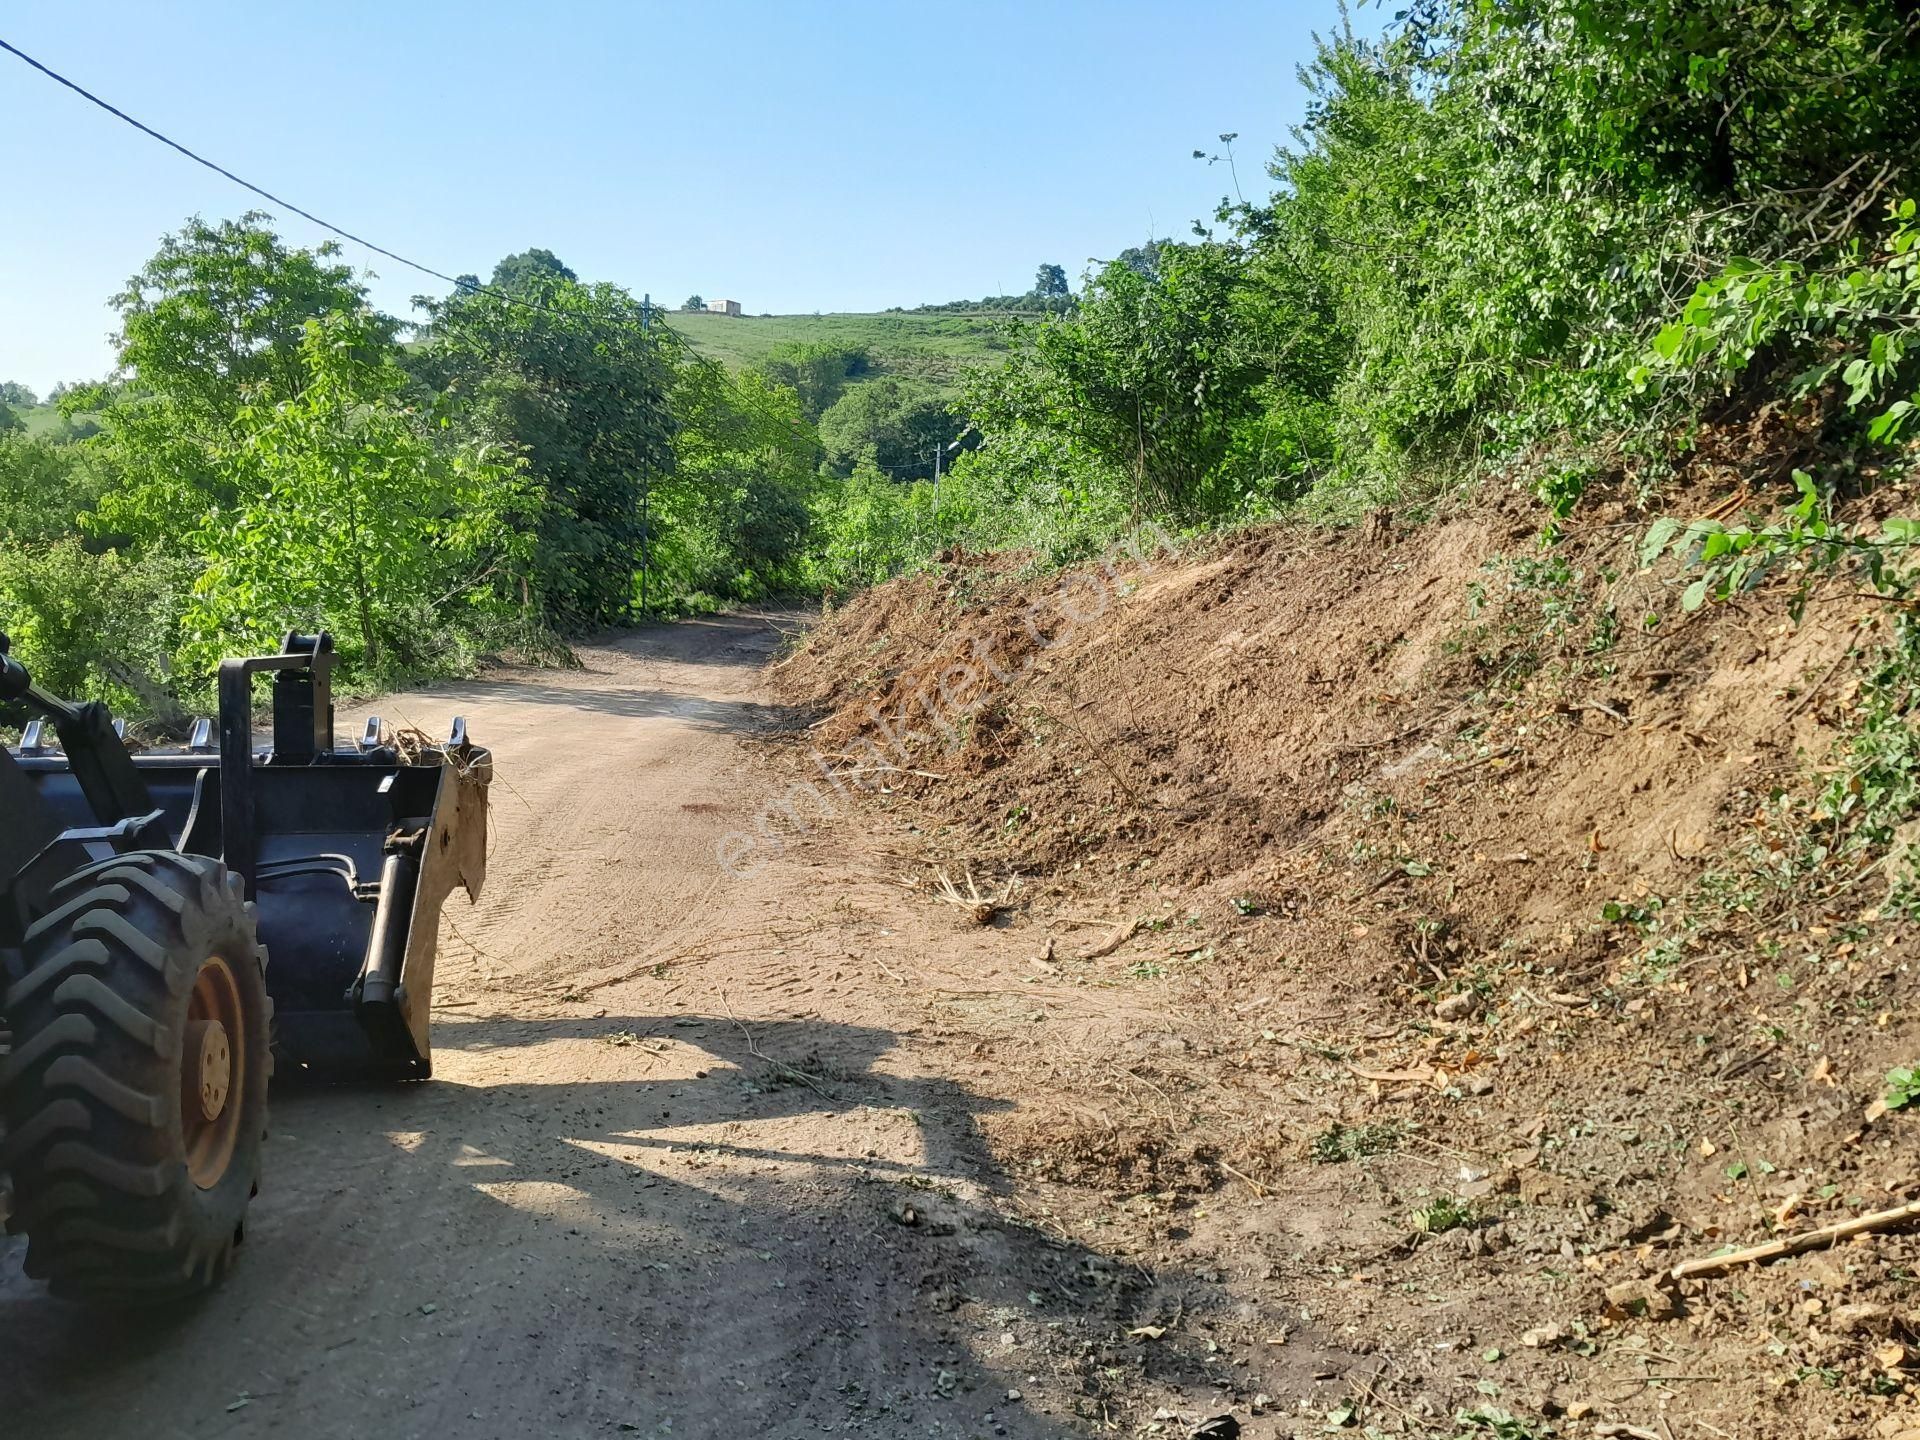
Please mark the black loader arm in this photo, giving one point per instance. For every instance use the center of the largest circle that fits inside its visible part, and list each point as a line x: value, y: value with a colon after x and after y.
x: 95, y: 752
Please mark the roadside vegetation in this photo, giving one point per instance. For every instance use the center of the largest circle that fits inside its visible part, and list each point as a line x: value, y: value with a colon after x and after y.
x: 1656, y: 266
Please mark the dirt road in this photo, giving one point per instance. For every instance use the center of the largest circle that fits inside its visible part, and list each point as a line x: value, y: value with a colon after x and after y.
x: 690, y: 1165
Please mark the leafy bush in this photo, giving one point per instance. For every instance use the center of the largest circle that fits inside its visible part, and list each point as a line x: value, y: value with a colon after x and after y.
x: 870, y: 528
x: 103, y: 627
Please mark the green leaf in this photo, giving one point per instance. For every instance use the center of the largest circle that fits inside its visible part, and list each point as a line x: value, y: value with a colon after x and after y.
x: 1659, y: 535
x: 1694, y: 596
x: 1887, y: 426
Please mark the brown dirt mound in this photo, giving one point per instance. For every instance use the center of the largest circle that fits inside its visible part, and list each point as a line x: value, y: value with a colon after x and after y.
x: 1434, y: 835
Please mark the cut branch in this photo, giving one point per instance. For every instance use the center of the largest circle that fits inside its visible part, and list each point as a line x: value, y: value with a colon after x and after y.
x: 1795, y: 1244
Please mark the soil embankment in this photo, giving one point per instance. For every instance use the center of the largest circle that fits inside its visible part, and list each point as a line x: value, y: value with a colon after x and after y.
x: 1481, y: 958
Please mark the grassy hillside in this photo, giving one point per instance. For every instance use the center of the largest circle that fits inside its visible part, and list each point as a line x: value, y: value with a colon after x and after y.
x: 40, y: 419
x: 936, y: 348
x: 46, y: 420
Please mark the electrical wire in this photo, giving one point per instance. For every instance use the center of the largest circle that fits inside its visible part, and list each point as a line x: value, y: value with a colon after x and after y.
x: 459, y: 284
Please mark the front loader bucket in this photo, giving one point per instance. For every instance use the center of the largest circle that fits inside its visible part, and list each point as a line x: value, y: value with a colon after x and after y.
x: 353, y: 861
x: 348, y: 852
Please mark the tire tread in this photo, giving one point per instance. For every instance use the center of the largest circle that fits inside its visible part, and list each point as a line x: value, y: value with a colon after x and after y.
x: 91, y: 1139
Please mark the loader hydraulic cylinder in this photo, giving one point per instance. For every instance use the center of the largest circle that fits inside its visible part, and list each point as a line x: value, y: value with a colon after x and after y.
x: 392, y: 923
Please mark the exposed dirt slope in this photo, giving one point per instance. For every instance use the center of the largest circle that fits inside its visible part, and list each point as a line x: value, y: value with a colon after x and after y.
x: 1469, y: 887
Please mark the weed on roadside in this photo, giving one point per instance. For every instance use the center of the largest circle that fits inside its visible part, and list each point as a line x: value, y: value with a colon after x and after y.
x: 1488, y: 1424
x: 1338, y: 1143
x: 1441, y: 1214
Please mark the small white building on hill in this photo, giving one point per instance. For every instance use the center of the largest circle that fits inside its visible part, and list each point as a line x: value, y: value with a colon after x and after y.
x: 723, y: 307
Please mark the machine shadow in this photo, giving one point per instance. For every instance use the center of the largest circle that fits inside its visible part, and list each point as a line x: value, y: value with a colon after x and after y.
x: 728, y: 1229
x: 782, y: 1069
x: 733, y: 717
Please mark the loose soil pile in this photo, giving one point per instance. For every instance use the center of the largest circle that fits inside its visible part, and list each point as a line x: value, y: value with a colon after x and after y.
x: 1478, y: 960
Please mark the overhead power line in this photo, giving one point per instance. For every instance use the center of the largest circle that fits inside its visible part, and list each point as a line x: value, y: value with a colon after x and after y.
x: 265, y: 194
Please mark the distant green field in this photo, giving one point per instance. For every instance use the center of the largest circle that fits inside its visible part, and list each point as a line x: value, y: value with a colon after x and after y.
x: 936, y: 348
x: 40, y: 419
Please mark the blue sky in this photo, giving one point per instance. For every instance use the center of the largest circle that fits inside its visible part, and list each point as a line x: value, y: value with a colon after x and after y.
x: 796, y: 156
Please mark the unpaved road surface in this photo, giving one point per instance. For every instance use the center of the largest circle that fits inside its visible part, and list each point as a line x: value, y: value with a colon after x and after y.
x: 692, y: 1163
x: 607, y: 1212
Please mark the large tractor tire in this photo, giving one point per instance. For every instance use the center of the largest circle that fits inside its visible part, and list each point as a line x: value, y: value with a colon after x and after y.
x: 136, y: 1093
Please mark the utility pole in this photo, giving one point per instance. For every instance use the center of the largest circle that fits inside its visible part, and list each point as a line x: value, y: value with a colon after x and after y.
x: 936, y: 497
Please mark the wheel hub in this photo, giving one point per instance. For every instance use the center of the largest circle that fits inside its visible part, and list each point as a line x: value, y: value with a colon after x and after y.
x: 210, y: 1075
x: 213, y: 1077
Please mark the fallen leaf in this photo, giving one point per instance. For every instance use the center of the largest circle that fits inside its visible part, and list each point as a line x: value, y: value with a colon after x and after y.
x: 1148, y: 1332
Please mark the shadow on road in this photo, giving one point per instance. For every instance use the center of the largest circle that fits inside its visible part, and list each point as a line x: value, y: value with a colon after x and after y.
x: 740, y: 717
x: 662, y: 1225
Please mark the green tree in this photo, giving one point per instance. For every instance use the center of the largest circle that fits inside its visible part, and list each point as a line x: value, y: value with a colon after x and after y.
x: 892, y: 424
x: 349, y: 514
x: 529, y: 272
x: 694, y: 302
x: 580, y: 386
x: 735, y: 508
x: 213, y: 324
x: 1149, y: 376
x: 1050, y: 283
x: 12, y: 392
x: 217, y: 316
x: 816, y: 372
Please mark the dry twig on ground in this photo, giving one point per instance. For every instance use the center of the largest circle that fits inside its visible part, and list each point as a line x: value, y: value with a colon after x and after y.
x: 1795, y: 1244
